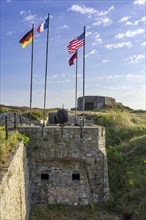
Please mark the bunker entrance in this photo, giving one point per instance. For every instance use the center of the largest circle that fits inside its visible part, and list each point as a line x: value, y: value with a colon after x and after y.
x: 89, y: 105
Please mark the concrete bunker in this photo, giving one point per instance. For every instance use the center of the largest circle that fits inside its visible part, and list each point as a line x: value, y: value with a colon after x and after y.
x: 92, y: 102
x: 67, y: 167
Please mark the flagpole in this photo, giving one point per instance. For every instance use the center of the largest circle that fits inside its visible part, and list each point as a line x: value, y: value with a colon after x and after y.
x: 46, y: 68
x: 31, y: 73
x: 84, y: 77
x: 76, y: 88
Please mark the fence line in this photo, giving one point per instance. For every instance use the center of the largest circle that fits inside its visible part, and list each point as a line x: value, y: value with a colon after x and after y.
x: 10, y: 122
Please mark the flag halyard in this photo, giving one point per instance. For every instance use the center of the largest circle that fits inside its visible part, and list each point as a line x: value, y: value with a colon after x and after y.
x: 76, y: 43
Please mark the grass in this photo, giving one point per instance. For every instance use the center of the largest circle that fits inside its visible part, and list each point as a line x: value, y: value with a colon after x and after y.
x: 127, y: 175
x: 7, y: 146
x: 126, y: 153
x: 121, y: 127
x: 36, y: 113
x: 61, y: 212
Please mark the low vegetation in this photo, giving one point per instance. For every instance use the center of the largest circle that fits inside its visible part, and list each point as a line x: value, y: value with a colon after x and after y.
x: 61, y: 212
x: 7, y: 146
x: 36, y: 113
x: 120, y: 127
x: 127, y: 172
x: 126, y: 152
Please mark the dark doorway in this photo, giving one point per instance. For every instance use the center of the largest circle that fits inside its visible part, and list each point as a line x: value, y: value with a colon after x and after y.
x: 55, y: 119
x: 89, y: 105
x: 75, y: 176
x: 44, y: 176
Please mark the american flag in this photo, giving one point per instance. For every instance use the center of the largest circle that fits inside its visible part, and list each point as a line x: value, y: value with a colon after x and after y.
x: 76, y: 43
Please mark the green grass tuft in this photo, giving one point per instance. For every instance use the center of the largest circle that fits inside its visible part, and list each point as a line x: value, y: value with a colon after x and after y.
x: 10, y: 144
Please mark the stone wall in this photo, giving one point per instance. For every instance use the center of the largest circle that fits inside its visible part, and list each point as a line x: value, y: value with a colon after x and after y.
x: 67, y: 165
x: 14, y: 187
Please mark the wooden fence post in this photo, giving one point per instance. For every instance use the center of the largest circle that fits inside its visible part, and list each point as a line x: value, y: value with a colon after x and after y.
x: 6, y: 127
x: 14, y: 121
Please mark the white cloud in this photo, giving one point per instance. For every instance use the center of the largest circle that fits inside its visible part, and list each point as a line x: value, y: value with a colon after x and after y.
x: 91, y: 53
x: 27, y: 16
x: 100, y: 16
x: 88, y: 33
x: 60, y: 81
x: 105, y: 21
x: 97, y: 39
x: 24, y: 12
x: 63, y: 27
x: 129, y: 33
x: 119, y: 36
x: 139, y: 2
x: 82, y: 9
x: 105, y: 61
x: 119, y: 45
x: 103, y: 13
x: 8, y: 1
x: 136, y: 58
x: 133, y: 33
x: 60, y: 77
x: 126, y: 77
x: 54, y: 76
x: 9, y: 33
x: 114, y: 77
x: 143, y: 44
x: 132, y: 76
x: 126, y: 21
x: 142, y: 20
x: 125, y: 18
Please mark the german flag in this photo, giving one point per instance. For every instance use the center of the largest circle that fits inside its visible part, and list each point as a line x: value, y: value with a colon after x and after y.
x: 26, y: 39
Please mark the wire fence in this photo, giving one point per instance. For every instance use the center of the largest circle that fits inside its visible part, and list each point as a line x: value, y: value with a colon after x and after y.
x: 11, y: 120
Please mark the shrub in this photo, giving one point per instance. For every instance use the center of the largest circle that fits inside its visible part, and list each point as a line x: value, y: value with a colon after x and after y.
x: 34, y: 115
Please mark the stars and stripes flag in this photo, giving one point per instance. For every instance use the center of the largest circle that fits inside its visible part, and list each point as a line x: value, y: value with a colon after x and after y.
x: 76, y: 43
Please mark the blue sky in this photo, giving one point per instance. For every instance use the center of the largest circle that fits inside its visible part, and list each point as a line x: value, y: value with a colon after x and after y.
x: 115, y: 51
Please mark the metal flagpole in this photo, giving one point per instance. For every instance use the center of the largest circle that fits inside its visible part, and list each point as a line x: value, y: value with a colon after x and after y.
x: 145, y: 90
x: 44, y: 113
x: 76, y: 88
x: 31, y: 74
x: 84, y: 76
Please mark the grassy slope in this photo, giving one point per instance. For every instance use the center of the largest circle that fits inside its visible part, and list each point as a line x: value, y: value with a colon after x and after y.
x: 126, y: 152
x: 127, y: 175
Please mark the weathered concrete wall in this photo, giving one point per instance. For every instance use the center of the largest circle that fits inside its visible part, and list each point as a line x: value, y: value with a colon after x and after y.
x: 14, y: 188
x: 92, y: 102
x: 67, y: 165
